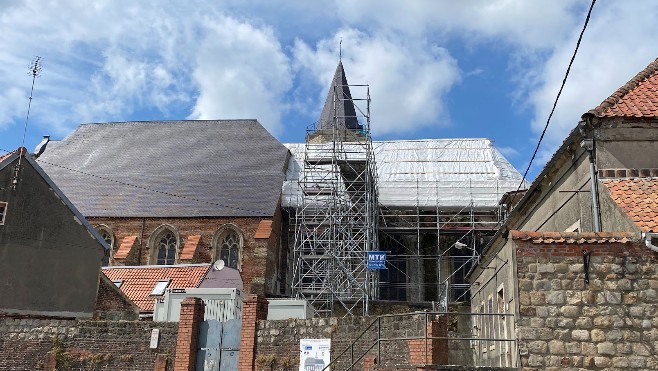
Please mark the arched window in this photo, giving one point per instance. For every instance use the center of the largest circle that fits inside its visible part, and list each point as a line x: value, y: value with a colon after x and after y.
x: 164, y: 246
x: 227, y: 246
x: 108, y: 237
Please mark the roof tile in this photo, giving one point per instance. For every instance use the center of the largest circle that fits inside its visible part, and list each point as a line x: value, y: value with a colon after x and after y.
x: 190, y: 248
x: 264, y: 229
x: 571, y: 237
x: 126, y: 245
x: 637, y: 98
x: 138, y: 282
x: 638, y: 198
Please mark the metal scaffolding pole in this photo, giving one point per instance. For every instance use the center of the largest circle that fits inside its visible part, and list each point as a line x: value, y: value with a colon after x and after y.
x: 337, y: 221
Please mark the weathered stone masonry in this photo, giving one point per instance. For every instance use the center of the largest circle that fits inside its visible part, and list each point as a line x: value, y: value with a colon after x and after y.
x: 610, y: 322
x: 42, y: 344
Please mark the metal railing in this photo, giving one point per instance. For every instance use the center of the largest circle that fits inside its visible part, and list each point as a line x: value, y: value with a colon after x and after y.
x: 471, y: 339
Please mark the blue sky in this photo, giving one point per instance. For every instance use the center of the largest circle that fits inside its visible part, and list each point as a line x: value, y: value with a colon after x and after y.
x: 436, y: 69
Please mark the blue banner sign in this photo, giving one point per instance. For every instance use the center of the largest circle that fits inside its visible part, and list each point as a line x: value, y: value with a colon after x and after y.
x: 376, y: 259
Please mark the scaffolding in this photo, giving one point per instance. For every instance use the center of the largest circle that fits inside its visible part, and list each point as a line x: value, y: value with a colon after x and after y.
x: 439, y: 207
x: 335, y: 221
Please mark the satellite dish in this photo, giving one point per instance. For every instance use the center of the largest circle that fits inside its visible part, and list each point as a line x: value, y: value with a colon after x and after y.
x: 218, y: 265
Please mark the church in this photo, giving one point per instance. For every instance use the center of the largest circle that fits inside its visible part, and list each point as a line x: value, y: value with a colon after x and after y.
x: 295, y: 219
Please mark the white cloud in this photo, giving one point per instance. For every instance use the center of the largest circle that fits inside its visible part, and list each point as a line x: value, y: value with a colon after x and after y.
x: 508, y: 151
x: 520, y: 22
x: 408, y: 78
x: 242, y: 73
x: 618, y: 43
x: 107, y: 60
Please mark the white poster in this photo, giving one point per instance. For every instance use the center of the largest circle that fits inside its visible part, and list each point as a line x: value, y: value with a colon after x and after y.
x: 314, y: 354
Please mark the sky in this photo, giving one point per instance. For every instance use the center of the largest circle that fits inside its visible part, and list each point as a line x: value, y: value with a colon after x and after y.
x: 435, y: 69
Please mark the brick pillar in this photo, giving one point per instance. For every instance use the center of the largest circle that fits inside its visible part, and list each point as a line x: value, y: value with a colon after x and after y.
x: 431, y: 351
x: 191, y: 316
x: 369, y: 362
x: 254, y: 309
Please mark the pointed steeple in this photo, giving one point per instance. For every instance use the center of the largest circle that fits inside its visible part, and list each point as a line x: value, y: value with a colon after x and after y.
x: 338, y: 111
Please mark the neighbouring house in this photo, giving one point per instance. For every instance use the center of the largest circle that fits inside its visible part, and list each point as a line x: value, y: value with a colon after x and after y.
x: 575, y: 261
x: 179, y: 192
x: 145, y: 284
x: 50, y: 257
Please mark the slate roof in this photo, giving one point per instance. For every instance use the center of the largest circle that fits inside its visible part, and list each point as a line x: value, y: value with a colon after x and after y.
x: 138, y: 282
x: 637, y: 98
x: 638, y: 198
x: 169, y: 168
x: 578, y: 238
x: 341, y: 108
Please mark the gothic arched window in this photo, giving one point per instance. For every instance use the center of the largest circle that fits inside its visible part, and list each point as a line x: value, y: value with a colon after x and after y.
x: 164, y: 246
x: 108, y: 237
x: 227, y: 246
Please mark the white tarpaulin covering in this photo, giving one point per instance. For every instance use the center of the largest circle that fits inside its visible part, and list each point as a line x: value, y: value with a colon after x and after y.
x: 448, y: 173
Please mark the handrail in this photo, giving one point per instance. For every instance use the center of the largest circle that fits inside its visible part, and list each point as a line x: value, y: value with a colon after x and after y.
x: 426, y: 314
x: 351, y: 346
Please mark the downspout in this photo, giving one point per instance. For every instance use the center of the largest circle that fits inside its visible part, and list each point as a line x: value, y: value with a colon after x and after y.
x: 589, y: 145
x: 141, y: 243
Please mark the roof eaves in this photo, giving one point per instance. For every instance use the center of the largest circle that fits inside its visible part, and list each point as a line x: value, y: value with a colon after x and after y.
x: 575, y: 133
x: 83, y: 221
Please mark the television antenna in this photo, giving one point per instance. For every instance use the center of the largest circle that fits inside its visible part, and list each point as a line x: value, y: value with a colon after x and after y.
x: 34, y: 69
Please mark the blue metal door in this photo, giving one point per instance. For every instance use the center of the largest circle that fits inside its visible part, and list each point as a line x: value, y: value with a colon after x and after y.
x: 219, y: 345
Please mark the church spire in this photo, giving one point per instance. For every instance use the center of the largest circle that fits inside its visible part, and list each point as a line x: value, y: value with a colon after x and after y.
x: 338, y: 111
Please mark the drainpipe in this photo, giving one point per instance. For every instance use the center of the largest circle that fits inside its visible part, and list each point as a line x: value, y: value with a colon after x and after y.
x: 647, y: 241
x: 588, y: 145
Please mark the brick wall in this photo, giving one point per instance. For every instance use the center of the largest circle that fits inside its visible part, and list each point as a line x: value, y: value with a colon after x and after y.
x: 567, y: 323
x: 112, y: 304
x: 29, y: 344
x: 259, y: 256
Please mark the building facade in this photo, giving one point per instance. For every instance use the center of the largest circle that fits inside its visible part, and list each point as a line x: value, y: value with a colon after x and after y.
x: 574, y: 262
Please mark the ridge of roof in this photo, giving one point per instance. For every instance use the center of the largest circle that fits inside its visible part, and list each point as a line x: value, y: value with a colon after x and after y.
x: 10, y: 157
x: 339, y: 113
x: 611, y: 106
x: 155, y: 266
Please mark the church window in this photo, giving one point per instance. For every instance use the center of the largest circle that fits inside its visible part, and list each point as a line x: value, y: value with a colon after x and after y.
x: 227, y: 246
x: 108, y: 237
x: 164, y: 245
x: 167, y: 249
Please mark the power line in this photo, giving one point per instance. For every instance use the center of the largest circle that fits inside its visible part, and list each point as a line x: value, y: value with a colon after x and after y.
x: 564, y: 81
x: 150, y: 189
x: 146, y: 188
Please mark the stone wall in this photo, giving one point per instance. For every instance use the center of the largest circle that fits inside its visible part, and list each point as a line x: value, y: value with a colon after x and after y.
x: 567, y: 323
x: 278, y: 341
x: 42, y: 344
